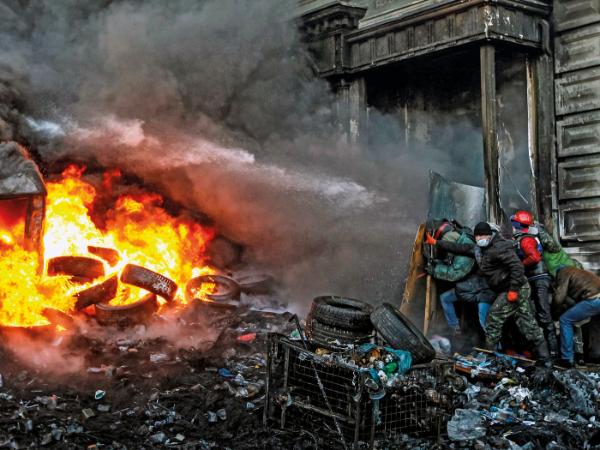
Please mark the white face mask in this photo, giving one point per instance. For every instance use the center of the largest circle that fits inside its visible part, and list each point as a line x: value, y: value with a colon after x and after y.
x: 484, y: 242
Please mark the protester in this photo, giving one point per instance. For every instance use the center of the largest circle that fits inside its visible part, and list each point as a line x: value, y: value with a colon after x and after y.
x: 553, y: 255
x: 499, y: 265
x: 529, y: 250
x: 577, y: 292
x: 459, y: 269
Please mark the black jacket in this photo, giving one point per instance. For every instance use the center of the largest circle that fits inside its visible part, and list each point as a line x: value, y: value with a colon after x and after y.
x: 497, y: 263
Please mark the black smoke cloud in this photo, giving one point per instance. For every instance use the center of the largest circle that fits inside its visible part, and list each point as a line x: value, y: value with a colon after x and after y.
x: 215, y: 101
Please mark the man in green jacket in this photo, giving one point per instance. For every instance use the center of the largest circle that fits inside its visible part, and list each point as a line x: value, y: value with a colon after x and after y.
x: 458, y: 269
x: 554, y: 255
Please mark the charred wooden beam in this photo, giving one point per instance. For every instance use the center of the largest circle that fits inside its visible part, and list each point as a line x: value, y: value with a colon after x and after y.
x: 490, y: 132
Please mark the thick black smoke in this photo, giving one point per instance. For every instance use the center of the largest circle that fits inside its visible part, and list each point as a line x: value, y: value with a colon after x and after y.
x: 215, y: 101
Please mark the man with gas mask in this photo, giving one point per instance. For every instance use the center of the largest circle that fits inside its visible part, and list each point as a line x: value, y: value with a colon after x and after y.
x: 500, y: 266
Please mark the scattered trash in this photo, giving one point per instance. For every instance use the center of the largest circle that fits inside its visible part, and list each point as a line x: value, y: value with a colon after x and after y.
x: 106, y: 370
x: 225, y: 373
x: 441, y: 344
x: 466, y: 425
x: 212, y: 417
x: 519, y: 393
x: 158, y: 357
x: 46, y: 439
x: 222, y: 414
x: 87, y: 413
x: 247, y: 338
x: 158, y: 438
x: 49, y: 402
x: 99, y: 394
x: 295, y: 335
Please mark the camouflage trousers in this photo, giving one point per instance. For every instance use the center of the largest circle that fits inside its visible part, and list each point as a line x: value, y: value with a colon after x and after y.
x: 501, y: 310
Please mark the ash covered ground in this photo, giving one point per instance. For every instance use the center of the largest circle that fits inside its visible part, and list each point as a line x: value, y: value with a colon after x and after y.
x: 203, y: 387
x: 134, y: 390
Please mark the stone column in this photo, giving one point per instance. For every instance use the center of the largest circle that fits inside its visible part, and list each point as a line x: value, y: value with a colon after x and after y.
x: 357, y: 109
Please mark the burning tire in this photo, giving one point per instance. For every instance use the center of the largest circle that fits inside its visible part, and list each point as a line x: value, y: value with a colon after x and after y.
x: 100, y: 293
x: 258, y: 284
x: 225, y: 288
x: 125, y: 315
x: 400, y: 333
x: 149, y: 280
x: 56, y: 317
x: 110, y: 255
x: 332, y: 337
x: 341, y: 312
x: 76, y: 266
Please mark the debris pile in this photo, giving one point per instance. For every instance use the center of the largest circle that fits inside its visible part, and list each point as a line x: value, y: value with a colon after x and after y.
x: 136, y: 390
x: 516, y: 406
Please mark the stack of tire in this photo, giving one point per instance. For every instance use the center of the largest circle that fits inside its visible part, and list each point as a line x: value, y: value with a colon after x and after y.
x: 335, y: 322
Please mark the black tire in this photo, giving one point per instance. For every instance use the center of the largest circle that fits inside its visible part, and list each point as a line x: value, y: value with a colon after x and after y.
x: 401, y: 334
x: 258, y: 284
x: 100, y: 293
x: 325, y: 336
x: 77, y: 266
x: 341, y: 312
x: 124, y: 315
x: 226, y: 288
x: 151, y: 281
x: 110, y: 255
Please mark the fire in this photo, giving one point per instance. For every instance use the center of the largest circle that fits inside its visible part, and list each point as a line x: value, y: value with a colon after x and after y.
x: 77, y: 216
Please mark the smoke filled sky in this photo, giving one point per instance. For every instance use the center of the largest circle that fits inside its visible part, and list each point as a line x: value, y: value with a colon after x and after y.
x: 215, y: 102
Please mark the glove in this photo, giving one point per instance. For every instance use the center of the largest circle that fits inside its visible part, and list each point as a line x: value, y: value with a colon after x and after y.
x: 512, y: 296
x: 429, y: 239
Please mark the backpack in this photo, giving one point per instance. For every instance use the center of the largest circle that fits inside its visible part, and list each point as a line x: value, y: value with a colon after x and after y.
x: 554, y: 256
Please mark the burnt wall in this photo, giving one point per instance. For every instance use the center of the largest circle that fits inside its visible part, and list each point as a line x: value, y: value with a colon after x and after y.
x: 577, y: 85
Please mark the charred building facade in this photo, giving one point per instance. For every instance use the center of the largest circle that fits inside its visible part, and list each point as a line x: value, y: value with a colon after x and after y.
x: 513, y: 85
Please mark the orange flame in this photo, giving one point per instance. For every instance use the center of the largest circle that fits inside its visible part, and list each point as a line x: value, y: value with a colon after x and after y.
x: 138, y: 226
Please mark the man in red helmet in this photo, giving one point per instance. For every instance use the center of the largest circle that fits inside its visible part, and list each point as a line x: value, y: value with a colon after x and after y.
x: 529, y: 249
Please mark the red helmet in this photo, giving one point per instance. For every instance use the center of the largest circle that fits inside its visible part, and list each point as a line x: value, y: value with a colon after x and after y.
x: 444, y: 228
x: 523, y: 217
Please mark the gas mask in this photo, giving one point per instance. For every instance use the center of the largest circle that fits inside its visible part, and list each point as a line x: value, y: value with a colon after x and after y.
x: 484, y: 242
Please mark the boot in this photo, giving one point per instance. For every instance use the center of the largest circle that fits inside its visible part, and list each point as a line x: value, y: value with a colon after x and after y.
x: 552, y: 345
x: 552, y: 341
x: 542, y: 355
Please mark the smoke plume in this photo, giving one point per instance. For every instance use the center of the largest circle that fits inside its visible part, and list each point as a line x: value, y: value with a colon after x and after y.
x: 216, y: 103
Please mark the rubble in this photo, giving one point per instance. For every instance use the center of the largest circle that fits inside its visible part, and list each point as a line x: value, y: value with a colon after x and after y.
x: 122, y: 399
x: 523, y: 406
x: 140, y: 391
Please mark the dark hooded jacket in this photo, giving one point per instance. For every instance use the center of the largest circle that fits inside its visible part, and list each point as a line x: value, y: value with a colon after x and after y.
x: 497, y: 263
